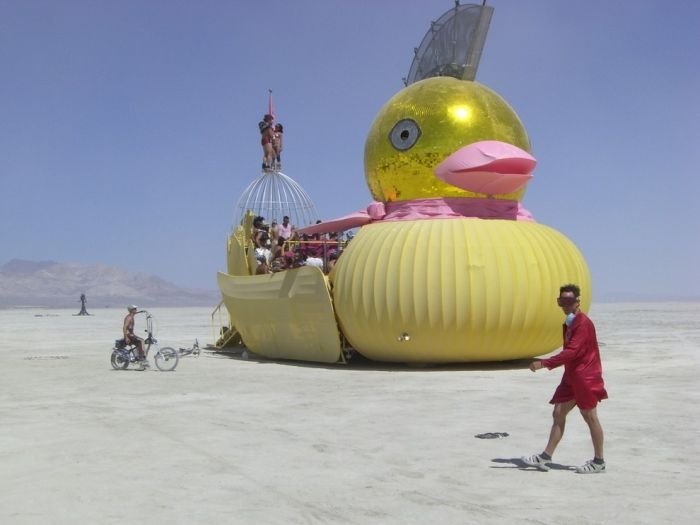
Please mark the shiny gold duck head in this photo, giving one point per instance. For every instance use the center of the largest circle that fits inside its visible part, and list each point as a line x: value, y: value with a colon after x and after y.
x: 412, y: 145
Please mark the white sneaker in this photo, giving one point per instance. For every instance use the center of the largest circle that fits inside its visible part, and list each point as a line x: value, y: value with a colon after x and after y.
x: 537, y: 461
x: 591, y: 467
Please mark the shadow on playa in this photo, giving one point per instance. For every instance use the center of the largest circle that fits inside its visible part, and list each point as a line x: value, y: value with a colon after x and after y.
x: 359, y: 363
x: 517, y: 463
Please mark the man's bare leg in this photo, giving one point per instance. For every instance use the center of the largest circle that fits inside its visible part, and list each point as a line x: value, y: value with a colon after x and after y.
x: 561, y: 410
x: 591, y: 419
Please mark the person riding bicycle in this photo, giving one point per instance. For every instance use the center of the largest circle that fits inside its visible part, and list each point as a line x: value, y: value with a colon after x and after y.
x: 131, y: 339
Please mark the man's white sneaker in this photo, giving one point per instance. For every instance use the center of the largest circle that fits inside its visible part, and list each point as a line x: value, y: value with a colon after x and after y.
x: 591, y: 467
x: 537, y: 461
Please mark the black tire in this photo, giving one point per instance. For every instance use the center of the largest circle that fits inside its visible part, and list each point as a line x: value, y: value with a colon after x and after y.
x: 119, y: 362
x: 166, y: 359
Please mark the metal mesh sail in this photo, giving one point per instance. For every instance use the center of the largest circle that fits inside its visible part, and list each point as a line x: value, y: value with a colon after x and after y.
x: 274, y: 195
x: 453, y: 44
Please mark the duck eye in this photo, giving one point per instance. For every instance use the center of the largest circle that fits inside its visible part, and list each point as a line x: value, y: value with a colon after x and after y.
x: 404, y: 134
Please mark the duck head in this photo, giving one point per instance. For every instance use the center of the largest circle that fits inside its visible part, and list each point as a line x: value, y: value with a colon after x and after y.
x: 444, y: 137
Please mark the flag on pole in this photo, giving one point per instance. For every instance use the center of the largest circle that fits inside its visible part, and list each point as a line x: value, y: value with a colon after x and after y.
x: 270, y: 105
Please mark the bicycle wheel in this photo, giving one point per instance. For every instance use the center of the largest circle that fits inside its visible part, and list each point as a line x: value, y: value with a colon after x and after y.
x: 119, y: 361
x: 166, y: 359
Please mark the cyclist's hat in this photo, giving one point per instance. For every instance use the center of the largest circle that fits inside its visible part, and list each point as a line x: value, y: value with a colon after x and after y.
x: 132, y: 307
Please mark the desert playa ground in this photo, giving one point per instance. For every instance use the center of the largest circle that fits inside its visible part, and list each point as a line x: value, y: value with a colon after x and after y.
x: 230, y: 440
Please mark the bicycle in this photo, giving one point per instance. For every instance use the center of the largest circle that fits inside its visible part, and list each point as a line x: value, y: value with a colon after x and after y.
x: 193, y: 351
x: 124, y: 354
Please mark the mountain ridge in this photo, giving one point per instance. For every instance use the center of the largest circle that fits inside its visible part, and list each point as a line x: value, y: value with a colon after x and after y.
x: 55, y: 284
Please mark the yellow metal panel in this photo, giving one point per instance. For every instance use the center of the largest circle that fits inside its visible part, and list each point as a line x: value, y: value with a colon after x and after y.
x: 285, y: 315
x: 252, y: 261
x: 247, y: 224
x: 237, y: 261
x: 461, y: 289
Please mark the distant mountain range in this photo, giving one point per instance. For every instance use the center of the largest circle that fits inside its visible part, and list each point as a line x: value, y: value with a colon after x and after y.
x: 632, y: 297
x: 53, y: 284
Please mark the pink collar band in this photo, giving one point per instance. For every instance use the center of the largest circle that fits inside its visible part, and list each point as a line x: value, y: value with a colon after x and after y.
x: 449, y: 208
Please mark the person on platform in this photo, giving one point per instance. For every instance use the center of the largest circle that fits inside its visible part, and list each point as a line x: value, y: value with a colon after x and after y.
x: 284, y: 230
x: 266, y: 135
x: 277, y: 144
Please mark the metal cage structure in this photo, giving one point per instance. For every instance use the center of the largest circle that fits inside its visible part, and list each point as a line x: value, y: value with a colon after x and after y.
x: 453, y: 44
x: 274, y: 195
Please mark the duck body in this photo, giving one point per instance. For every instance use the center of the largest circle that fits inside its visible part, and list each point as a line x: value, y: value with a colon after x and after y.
x: 454, y: 290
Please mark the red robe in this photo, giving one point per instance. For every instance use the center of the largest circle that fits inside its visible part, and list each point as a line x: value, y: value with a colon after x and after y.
x: 583, y: 373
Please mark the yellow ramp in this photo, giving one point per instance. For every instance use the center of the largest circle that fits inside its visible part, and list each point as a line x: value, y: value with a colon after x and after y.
x: 285, y: 315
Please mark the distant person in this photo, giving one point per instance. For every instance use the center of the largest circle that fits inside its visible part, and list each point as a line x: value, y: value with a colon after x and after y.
x: 313, y: 250
x: 284, y: 230
x: 262, y: 267
x: 278, y: 249
x: 581, y: 385
x: 277, y: 144
x: 261, y: 238
x: 83, y: 305
x: 299, y: 259
x: 274, y: 232
x: 333, y: 259
x: 131, y: 339
x: 266, y: 134
x: 278, y: 265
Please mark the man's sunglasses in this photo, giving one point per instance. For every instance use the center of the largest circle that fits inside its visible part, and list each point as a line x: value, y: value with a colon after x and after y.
x: 566, y: 301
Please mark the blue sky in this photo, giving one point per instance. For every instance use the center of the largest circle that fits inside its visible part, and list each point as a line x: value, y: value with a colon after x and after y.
x: 128, y: 129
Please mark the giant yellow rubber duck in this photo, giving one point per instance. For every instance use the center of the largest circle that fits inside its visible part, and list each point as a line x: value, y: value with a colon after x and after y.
x: 453, y: 269
x: 447, y: 267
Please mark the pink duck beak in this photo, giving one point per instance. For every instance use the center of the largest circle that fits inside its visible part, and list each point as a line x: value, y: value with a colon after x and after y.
x: 490, y: 166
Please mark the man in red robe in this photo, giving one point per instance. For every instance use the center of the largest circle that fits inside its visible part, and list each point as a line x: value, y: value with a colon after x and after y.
x: 582, y: 383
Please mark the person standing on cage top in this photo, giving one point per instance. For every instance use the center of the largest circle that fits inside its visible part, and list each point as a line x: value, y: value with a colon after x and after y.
x: 277, y: 144
x: 267, y: 133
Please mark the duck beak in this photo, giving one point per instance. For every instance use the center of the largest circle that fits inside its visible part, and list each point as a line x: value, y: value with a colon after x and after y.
x: 490, y: 167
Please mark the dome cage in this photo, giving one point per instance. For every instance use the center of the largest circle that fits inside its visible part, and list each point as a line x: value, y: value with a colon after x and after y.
x: 453, y: 44
x: 274, y: 195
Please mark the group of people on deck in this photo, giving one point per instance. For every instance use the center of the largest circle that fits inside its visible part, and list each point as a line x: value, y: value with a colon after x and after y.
x: 271, y: 140
x: 278, y: 247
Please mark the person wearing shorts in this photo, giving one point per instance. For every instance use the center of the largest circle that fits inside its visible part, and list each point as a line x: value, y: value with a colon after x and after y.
x: 581, y: 385
x: 131, y: 339
x: 266, y: 135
